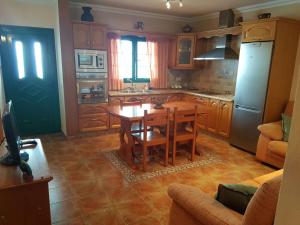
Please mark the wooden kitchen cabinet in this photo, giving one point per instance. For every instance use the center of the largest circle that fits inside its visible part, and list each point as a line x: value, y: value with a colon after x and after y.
x: 185, y: 51
x: 93, y: 117
x: 98, y: 37
x: 89, y: 36
x: 212, y: 120
x: 224, y: 119
x: 259, y: 31
x: 115, y: 122
x: 81, y: 36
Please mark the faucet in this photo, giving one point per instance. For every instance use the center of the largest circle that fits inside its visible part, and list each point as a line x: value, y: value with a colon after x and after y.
x: 131, y: 81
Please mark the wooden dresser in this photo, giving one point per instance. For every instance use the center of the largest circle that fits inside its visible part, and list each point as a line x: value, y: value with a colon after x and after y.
x: 23, y: 201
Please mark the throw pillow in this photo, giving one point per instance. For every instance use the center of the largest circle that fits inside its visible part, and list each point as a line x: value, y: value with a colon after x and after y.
x: 286, y: 125
x: 235, y: 196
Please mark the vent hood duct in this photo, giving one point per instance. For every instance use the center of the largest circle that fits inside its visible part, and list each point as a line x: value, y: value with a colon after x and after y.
x: 221, y: 52
x: 223, y: 49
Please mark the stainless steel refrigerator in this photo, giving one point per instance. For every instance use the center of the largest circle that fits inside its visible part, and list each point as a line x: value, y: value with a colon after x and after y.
x: 250, y: 95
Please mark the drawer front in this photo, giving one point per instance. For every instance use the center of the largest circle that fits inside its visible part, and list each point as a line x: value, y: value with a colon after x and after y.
x: 114, y: 121
x: 94, y: 122
x: 264, y: 31
x: 115, y: 100
x: 92, y: 109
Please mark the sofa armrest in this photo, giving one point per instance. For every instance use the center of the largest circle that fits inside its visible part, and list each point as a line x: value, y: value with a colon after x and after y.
x: 203, y: 207
x: 272, y: 130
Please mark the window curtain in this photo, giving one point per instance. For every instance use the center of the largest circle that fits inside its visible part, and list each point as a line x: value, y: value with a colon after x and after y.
x: 114, y: 43
x: 158, y: 51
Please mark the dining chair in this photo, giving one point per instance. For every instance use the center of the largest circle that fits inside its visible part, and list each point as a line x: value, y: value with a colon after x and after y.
x: 135, y: 127
x: 181, y: 118
x: 150, y: 137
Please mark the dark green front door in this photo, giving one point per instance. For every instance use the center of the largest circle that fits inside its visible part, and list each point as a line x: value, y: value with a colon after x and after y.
x: 30, y: 78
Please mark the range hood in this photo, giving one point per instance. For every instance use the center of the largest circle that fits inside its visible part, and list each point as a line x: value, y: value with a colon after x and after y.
x: 223, y: 49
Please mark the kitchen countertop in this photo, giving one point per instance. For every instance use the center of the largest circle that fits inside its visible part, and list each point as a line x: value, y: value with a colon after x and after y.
x: 223, y: 97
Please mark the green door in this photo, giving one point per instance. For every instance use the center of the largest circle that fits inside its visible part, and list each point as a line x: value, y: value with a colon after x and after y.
x: 30, y: 78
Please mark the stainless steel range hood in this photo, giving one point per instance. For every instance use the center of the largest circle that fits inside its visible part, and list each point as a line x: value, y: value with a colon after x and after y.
x: 223, y: 48
x: 221, y: 52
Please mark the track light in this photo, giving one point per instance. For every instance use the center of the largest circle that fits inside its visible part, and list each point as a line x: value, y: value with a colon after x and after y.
x: 168, y: 4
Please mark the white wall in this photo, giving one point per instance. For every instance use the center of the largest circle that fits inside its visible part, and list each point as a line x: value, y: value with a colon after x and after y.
x: 126, y: 22
x: 37, y: 14
x: 288, y: 209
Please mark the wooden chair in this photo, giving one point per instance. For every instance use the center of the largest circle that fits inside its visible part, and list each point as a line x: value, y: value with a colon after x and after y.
x: 179, y: 135
x: 149, y: 138
x: 135, y: 127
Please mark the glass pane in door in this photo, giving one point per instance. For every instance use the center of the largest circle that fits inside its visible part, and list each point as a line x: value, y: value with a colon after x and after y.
x: 185, y: 49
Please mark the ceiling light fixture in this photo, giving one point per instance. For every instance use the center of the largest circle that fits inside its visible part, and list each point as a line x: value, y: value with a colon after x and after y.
x: 168, y: 3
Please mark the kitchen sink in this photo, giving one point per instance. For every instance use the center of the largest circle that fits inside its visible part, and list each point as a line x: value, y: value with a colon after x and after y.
x: 136, y: 91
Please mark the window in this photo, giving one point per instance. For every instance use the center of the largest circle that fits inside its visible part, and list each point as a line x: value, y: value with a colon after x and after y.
x: 38, y: 60
x: 133, y: 59
x: 20, y: 59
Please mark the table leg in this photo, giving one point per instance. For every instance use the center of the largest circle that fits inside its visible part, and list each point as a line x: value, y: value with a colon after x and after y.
x: 126, y: 143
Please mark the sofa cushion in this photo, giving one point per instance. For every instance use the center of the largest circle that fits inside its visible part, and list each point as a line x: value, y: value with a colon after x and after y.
x: 264, y: 178
x: 235, y: 196
x: 272, y: 130
x: 278, y: 148
x: 262, y: 207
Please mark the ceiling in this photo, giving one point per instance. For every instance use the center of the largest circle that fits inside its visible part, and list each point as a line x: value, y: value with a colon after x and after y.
x: 190, y: 8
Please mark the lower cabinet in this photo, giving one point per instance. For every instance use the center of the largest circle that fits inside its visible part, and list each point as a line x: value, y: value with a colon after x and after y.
x: 224, y: 120
x: 93, y: 117
x: 214, y: 115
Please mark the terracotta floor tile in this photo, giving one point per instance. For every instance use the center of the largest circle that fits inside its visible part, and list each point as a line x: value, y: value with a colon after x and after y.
x: 107, y: 216
x: 62, y: 211
x: 89, y: 190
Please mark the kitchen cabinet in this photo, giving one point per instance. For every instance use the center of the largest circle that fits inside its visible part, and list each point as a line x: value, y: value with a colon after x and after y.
x: 93, y: 117
x: 89, y: 36
x: 259, y: 31
x: 115, y: 122
x: 213, y: 114
x: 224, y: 119
x: 181, y: 51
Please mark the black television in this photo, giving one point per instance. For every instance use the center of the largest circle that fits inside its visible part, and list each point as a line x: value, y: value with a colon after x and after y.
x: 13, y: 140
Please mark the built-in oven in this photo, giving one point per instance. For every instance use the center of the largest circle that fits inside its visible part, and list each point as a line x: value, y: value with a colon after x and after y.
x: 90, y: 91
x: 90, y: 61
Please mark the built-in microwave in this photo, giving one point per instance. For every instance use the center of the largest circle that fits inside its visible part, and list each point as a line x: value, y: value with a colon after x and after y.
x: 90, y: 61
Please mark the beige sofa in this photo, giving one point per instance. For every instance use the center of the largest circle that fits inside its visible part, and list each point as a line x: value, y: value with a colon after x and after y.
x: 191, y: 206
x: 271, y: 148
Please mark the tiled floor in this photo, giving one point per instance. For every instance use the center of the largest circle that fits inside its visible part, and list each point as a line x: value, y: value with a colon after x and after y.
x: 88, y: 190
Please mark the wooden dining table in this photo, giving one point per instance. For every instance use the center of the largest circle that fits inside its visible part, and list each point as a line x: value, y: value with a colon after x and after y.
x: 134, y: 114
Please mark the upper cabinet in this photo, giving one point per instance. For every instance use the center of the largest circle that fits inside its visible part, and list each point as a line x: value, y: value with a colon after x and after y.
x: 259, y: 31
x: 182, y: 51
x: 185, y: 50
x: 89, y: 36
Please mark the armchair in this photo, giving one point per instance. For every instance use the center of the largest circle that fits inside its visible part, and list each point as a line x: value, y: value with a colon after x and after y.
x: 271, y: 148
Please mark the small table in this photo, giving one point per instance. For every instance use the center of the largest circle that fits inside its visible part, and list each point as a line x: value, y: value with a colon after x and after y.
x: 26, y: 201
x: 132, y: 114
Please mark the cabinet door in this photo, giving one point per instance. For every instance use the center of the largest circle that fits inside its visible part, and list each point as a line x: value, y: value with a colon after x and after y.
x: 224, y: 120
x: 262, y: 31
x: 98, y: 37
x: 202, y: 103
x: 114, y: 121
x: 185, y: 51
x: 213, y: 114
x: 81, y: 36
x: 86, y: 109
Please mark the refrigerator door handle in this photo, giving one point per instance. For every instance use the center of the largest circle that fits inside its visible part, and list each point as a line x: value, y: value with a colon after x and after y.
x: 247, y: 108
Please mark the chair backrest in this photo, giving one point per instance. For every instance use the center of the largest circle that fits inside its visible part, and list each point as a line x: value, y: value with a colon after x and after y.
x: 185, y: 116
x: 130, y: 102
x: 159, y: 119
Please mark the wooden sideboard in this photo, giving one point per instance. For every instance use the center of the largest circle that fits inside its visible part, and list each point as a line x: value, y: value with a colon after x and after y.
x: 25, y: 201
